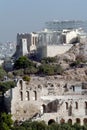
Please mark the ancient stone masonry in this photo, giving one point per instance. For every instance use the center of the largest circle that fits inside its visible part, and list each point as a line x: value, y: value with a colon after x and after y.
x: 48, y: 98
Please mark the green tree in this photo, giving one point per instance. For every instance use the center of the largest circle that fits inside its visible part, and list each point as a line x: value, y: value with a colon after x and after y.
x: 18, y: 128
x: 4, y: 86
x: 35, y: 125
x: 5, y: 121
x: 23, y: 62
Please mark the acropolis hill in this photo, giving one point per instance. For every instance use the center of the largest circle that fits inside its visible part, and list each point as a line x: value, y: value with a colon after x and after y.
x: 57, y: 89
x: 59, y: 98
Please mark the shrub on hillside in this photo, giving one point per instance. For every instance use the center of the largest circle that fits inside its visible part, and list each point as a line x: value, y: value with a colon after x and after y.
x: 75, y: 64
x: 26, y: 78
x: 58, y: 69
x: 30, y: 70
x: 48, y: 60
x: 23, y: 62
x: 48, y: 69
x: 19, y: 72
x: 80, y: 58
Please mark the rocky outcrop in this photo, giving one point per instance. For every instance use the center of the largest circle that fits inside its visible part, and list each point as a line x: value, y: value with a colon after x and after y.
x: 75, y: 50
x: 77, y: 74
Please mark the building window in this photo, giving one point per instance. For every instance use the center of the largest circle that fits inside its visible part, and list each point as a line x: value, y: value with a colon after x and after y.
x: 33, y: 40
x: 43, y: 109
x: 78, y: 121
x: 21, y: 95
x: 85, y: 121
x: 73, y: 87
x: 76, y: 105
x: 21, y: 85
x: 51, y: 121
x: 35, y: 95
x: 66, y: 105
x: 70, y: 111
x: 85, y: 108
x: 62, y: 121
x: 70, y: 121
x: 27, y: 96
x: 85, y: 105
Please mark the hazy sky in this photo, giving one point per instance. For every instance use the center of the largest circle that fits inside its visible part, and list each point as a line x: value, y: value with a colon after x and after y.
x: 30, y: 15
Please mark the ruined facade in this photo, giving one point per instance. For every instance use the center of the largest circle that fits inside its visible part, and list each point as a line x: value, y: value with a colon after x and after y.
x: 48, y: 99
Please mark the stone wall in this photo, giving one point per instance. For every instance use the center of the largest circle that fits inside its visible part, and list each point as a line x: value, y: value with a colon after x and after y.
x: 53, y: 50
x: 45, y: 98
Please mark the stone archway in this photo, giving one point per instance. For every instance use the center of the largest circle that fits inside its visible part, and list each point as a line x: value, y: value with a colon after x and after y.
x: 62, y: 121
x: 70, y: 121
x: 78, y: 121
x: 85, y: 121
x: 51, y: 121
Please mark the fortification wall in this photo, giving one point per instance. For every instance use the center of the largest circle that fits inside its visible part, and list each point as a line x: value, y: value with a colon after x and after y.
x: 53, y: 50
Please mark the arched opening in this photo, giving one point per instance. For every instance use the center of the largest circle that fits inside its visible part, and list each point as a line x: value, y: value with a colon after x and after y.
x: 27, y: 96
x: 44, y: 108
x: 52, y: 106
x: 70, y: 121
x: 35, y: 95
x: 73, y: 87
x: 62, y: 121
x: 85, y: 105
x: 85, y: 108
x: 78, y: 121
x: 76, y: 105
x: 66, y: 105
x: 85, y: 121
x: 21, y: 96
x: 21, y: 85
x: 51, y: 121
x: 70, y: 111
